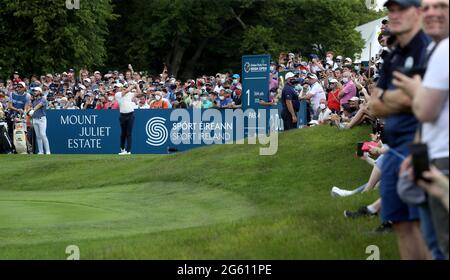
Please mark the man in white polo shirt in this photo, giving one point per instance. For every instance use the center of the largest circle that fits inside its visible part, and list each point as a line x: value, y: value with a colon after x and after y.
x: 315, y: 94
x: 126, y: 106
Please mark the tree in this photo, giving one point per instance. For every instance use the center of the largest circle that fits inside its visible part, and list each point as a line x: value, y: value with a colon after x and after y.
x: 44, y: 36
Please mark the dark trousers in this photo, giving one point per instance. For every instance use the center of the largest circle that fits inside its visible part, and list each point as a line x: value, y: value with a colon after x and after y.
x: 126, y: 124
x: 287, y: 120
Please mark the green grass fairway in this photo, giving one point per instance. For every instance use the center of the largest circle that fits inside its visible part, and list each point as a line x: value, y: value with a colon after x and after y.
x: 217, y: 202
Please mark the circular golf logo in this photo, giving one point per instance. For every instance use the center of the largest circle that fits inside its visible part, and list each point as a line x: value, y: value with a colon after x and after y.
x: 156, y: 131
x: 247, y: 67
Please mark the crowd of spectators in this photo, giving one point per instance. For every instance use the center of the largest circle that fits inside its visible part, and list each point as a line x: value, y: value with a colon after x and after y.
x: 96, y: 91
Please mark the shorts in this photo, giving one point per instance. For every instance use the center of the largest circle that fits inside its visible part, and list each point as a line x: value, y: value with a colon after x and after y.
x: 393, y: 209
x: 379, y: 162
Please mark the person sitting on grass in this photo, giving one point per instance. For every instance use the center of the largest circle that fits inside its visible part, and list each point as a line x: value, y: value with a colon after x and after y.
x: 375, y: 176
x: 324, y: 114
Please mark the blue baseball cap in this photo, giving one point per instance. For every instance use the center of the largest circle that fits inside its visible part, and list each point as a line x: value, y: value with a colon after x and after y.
x: 404, y: 3
x: 236, y: 76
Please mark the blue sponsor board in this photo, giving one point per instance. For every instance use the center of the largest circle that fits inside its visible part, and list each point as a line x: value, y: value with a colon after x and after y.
x: 168, y: 131
x: 255, y: 80
x: 155, y: 131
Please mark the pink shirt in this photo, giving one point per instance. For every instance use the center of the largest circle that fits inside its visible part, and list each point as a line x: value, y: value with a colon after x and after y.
x: 349, y: 92
x: 273, y: 84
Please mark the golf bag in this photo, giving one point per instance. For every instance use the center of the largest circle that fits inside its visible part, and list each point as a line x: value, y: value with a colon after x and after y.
x: 5, y: 141
x: 20, y: 135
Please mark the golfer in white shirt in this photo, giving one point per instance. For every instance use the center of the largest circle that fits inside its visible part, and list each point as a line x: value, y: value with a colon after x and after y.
x: 126, y: 106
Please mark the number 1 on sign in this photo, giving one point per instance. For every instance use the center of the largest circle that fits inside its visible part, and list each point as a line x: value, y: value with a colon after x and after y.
x: 248, y: 97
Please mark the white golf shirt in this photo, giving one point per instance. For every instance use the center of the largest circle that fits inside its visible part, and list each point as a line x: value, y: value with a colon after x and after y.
x: 126, y: 104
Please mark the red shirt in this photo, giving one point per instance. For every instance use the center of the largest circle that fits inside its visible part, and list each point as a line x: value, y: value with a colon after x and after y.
x: 102, y: 106
x: 333, y: 100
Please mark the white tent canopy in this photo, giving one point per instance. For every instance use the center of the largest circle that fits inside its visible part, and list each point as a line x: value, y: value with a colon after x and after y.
x: 369, y: 33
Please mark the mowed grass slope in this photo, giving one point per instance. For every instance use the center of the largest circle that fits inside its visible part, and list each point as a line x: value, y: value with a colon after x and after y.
x: 216, y: 202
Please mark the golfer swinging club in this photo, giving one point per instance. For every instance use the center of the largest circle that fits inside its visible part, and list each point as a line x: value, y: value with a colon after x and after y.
x: 126, y: 106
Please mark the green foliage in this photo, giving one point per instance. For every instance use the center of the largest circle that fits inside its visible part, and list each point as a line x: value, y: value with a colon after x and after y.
x: 44, y: 36
x: 260, y: 40
x: 190, y: 36
x: 202, y: 36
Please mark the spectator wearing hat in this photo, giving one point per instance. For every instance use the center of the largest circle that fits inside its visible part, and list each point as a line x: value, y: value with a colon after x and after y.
x: 159, y: 102
x: 348, y: 62
x: 334, y: 103
x: 19, y: 100
x: 315, y: 94
x: 236, y: 82
x: 37, y: 112
x: 389, y: 102
x: 289, y: 100
x: 180, y: 101
x: 339, y: 61
x: 349, y: 89
x: 225, y: 102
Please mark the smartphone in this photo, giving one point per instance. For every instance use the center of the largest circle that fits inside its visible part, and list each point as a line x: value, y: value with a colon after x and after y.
x: 413, y: 71
x: 359, y: 150
x: 420, y: 160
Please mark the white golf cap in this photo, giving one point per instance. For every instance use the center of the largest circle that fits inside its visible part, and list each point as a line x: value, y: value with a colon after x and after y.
x: 354, y: 98
x: 87, y: 80
x: 289, y: 75
x: 118, y: 85
x: 334, y: 81
x: 312, y: 76
x: 22, y: 84
x: 37, y: 89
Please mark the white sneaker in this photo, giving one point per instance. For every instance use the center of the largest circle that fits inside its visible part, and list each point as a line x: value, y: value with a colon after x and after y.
x: 123, y: 152
x: 337, y: 192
